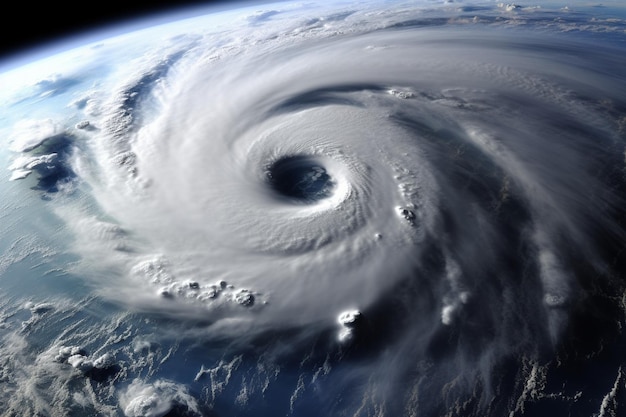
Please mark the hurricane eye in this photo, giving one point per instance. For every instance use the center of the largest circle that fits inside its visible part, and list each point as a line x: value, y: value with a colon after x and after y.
x: 301, y: 179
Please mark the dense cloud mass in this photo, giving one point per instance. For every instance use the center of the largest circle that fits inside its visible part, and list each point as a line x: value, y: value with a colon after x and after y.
x: 374, y: 210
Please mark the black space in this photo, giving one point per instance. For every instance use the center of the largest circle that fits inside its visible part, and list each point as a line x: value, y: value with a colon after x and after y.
x: 28, y: 25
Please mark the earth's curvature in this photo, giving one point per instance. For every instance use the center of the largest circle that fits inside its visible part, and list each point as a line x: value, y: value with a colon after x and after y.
x: 299, y: 209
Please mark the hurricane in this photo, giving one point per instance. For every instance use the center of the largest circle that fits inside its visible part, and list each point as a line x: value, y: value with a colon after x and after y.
x: 364, y: 210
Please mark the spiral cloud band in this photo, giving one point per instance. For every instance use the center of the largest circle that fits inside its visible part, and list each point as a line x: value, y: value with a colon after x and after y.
x: 406, y: 210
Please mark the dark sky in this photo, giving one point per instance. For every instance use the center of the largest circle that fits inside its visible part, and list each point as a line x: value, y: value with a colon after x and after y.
x: 27, y: 25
